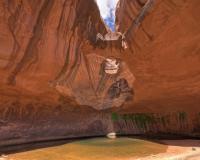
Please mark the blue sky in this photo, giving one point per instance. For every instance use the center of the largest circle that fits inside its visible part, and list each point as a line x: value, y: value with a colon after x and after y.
x: 107, y: 9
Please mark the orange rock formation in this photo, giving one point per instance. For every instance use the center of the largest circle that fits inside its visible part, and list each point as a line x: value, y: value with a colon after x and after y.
x: 52, y: 70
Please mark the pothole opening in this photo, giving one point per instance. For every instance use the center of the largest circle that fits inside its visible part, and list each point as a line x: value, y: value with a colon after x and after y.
x: 107, y: 10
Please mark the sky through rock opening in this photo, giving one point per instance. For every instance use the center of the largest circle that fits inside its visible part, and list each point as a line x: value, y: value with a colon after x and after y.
x: 107, y: 10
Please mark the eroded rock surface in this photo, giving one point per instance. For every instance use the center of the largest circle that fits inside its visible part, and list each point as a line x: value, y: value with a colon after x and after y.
x: 53, y: 79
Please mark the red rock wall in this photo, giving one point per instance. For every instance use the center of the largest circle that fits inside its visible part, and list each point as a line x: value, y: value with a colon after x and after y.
x: 50, y: 66
x: 165, y: 57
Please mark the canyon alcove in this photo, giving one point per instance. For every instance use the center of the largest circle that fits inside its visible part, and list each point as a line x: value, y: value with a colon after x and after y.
x: 59, y: 79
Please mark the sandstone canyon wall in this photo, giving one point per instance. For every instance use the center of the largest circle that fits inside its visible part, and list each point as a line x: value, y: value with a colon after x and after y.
x: 52, y: 70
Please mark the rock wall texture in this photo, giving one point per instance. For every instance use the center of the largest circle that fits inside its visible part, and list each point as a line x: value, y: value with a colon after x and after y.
x: 53, y: 80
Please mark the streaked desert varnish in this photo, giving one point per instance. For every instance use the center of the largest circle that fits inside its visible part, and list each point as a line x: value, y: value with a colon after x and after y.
x: 45, y: 43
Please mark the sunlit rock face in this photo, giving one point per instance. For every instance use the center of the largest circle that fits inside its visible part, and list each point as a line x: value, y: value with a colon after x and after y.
x: 55, y: 77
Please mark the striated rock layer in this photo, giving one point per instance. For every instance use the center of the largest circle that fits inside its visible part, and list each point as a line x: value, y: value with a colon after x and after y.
x: 53, y: 78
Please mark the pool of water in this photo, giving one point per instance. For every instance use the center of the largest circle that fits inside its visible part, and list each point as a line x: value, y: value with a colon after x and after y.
x: 94, y: 149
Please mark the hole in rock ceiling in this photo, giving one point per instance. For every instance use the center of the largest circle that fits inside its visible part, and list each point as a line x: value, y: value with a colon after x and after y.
x: 107, y: 10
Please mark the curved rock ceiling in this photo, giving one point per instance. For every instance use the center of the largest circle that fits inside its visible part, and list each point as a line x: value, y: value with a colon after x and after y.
x: 53, y: 73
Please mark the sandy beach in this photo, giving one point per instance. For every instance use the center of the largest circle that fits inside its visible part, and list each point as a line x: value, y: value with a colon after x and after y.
x: 178, y: 150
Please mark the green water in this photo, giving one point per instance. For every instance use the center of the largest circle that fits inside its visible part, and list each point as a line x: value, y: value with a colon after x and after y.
x: 94, y: 149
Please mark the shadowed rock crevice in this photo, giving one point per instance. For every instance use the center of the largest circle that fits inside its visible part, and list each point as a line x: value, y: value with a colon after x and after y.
x: 84, y: 27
